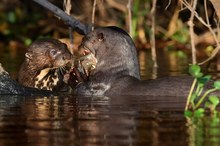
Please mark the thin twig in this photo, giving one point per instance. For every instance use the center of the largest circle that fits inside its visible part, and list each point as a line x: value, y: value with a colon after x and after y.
x: 93, y: 14
x: 153, y: 42
x: 130, y: 18
x: 218, y: 29
x: 216, y: 20
x: 215, y: 51
x: 67, y: 6
x: 216, y: 5
x: 191, y: 29
x: 206, y: 12
x: 168, y: 5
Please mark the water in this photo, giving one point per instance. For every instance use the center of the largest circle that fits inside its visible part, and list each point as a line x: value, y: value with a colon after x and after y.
x: 102, y: 121
x: 110, y: 121
x: 92, y: 121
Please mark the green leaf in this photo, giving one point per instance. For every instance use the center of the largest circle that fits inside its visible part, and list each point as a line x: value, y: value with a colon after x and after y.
x: 12, y: 17
x: 199, y: 112
x: 199, y: 75
x: 193, y: 97
x: 214, y: 100
x: 217, y: 85
x: 194, y: 70
x: 205, y: 79
x: 211, y: 107
x: 27, y: 41
x: 188, y: 113
x: 181, y: 54
x: 207, y: 104
x: 181, y: 35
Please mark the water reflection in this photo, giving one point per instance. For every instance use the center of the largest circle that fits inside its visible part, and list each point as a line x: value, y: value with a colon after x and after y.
x: 204, y: 131
x: 92, y: 121
x: 11, y: 57
x: 89, y: 121
x: 170, y: 63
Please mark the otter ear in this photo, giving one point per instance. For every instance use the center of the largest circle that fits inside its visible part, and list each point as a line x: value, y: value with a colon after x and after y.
x: 100, y: 37
x: 28, y: 56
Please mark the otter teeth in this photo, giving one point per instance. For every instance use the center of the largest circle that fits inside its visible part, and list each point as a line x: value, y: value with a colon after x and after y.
x: 86, y: 50
x: 93, y: 67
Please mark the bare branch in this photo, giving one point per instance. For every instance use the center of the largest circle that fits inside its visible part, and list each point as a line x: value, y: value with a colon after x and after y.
x: 206, y: 12
x: 72, y: 22
x: 153, y: 44
x: 130, y: 17
x: 168, y: 5
x: 67, y: 7
x: 191, y: 29
x: 215, y: 51
x: 93, y: 14
x: 216, y: 5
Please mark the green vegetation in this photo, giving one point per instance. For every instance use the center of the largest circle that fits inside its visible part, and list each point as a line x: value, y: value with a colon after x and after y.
x: 181, y: 35
x: 202, y: 130
x: 139, y: 11
x: 17, y: 24
x: 197, y: 97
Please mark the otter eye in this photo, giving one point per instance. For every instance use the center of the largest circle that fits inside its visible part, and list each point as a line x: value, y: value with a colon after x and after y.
x: 100, y: 37
x: 53, y: 52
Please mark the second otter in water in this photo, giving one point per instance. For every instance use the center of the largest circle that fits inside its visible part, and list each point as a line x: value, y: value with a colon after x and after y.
x: 44, y: 65
x: 117, y: 68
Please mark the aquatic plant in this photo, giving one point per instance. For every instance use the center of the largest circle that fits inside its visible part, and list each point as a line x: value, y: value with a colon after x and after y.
x: 202, y: 130
x: 198, y: 100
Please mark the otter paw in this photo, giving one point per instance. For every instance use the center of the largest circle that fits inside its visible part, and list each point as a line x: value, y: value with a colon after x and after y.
x: 74, y: 77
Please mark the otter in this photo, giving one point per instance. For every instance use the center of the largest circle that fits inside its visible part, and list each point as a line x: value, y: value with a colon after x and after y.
x: 44, y: 65
x: 117, y: 68
x: 9, y: 87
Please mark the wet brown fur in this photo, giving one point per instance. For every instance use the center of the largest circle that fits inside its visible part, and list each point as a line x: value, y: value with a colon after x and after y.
x: 43, y: 54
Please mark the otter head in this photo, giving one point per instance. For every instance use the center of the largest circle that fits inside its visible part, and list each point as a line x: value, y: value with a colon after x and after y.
x: 48, y: 53
x: 114, y: 50
x: 44, y: 64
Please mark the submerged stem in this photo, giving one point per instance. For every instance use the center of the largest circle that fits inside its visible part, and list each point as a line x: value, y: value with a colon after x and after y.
x: 190, y: 94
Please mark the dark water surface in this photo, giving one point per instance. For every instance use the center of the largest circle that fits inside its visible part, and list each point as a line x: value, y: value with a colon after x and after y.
x: 113, y: 121
x: 88, y: 121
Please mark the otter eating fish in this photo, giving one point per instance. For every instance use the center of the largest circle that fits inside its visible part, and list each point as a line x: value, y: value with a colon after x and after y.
x: 117, y: 69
